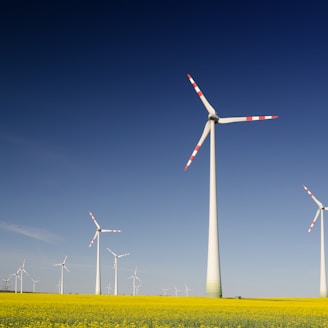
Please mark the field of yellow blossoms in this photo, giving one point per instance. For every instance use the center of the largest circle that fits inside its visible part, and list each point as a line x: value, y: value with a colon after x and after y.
x: 46, y: 310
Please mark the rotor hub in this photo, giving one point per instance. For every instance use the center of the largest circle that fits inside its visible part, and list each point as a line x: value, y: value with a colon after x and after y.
x: 213, y: 117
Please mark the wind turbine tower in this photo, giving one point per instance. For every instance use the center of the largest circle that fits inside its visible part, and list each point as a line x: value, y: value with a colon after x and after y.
x: 213, y: 280
x: 16, y: 274
x: 63, y: 266
x: 116, y: 257
x: 97, y: 236
x: 320, y: 211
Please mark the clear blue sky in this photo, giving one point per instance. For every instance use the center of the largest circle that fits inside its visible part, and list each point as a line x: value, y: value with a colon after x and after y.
x: 97, y: 114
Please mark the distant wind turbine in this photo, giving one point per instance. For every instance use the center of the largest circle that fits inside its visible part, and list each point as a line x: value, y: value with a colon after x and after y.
x: 176, y: 290
x: 187, y: 290
x: 134, y: 278
x: 34, y: 284
x: 213, y: 283
x: 97, y: 236
x: 165, y: 291
x: 116, y: 257
x: 59, y: 286
x: 6, y: 282
x: 320, y: 210
x: 108, y: 287
x: 63, y: 266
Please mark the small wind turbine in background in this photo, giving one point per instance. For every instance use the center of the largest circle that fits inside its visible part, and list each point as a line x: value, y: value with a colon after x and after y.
x: 135, y: 278
x: 108, y: 287
x: 213, y: 281
x: 187, y: 290
x: 34, y: 284
x: 116, y: 257
x: 63, y: 266
x: 58, y: 286
x: 165, y: 291
x: 176, y: 291
x: 320, y: 210
x: 6, y: 283
x: 97, y: 236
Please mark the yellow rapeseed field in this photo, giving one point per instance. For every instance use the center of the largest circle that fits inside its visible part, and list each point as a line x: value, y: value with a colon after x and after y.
x: 45, y: 310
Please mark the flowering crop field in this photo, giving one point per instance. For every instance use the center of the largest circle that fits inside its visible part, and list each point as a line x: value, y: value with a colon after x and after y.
x: 47, y: 310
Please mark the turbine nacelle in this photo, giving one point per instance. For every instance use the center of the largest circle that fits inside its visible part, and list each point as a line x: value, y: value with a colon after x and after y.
x: 214, y: 117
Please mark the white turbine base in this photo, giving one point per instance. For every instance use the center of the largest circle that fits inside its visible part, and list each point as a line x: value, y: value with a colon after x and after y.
x: 213, y: 288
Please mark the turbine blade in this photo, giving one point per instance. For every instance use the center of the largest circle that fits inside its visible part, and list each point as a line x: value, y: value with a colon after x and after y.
x: 94, y: 220
x: 94, y: 238
x: 314, y: 220
x: 65, y: 259
x: 66, y: 268
x: 207, y: 105
x: 126, y: 254
x: 312, y: 196
x: 26, y: 273
x: 110, y: 230
x: 109, y: 250
x: 199, y: 144
x: 224, y: 120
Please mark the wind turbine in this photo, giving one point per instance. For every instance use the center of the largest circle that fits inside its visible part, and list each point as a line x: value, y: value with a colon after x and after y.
x: 165, y: 291
x: 6, y: 282
x: 97, y: 235
x: 176, y: 290
x: 213, y: 282
x: 116, y: 257
x: 34, y: 284
x: 187, y: 290
x: 63, y: 266
x: 22, y: 270
x: 108, y: 287
x: 16, y: 274
x: 134, y: 277
x: 320, y: 210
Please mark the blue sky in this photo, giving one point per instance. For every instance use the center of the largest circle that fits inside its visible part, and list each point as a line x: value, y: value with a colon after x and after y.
x: 97, y: 114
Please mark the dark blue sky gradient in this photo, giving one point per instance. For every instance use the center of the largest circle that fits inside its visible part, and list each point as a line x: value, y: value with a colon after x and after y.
x: 98, y: 114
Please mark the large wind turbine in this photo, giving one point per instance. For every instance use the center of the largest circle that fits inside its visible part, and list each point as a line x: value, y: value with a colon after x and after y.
x: 97, y: 235
x: 63, y: 266
x: 320, y: 210
x: 22, y: 270
x: 116, y: 257
x: 213, y: 283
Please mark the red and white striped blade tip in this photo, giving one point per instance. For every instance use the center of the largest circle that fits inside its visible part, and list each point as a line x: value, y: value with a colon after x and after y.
x: 260, y: 118
x: 312, y: 196
x: 314, y: 220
